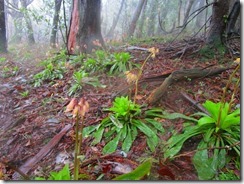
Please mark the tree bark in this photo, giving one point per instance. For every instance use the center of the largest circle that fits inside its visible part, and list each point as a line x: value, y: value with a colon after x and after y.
x: 136, y: 16
x: 85, y: 27
x: 3, y: 38
x: 217, y: 25
x: 55, y: 23
x: 232, y: 18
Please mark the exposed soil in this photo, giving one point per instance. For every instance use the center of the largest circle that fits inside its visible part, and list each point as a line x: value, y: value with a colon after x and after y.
x: 29, y: 123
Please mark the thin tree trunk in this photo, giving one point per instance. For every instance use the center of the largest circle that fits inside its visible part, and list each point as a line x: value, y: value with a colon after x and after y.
x: 152, y: 18
x: 30, y: 32
x: 232, y: 18
x: 200, y: 18
x: 136, y: 16
x: 189, y: 6
x: 142, y: 20
x: 53, y: 40
x: 179, y: 12
x: 115, y: 21
x: 3, y: 39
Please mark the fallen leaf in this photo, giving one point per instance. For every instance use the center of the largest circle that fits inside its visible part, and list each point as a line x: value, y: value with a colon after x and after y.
x: 165, y: 171
x: 28, y: 143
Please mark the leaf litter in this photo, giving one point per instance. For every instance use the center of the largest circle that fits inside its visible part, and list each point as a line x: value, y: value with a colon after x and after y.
x: 29, y: 123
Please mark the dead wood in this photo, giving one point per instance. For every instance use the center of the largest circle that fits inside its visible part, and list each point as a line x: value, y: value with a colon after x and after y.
x: 181, y: 75
x: 25, y: 168
x: 195, y: 103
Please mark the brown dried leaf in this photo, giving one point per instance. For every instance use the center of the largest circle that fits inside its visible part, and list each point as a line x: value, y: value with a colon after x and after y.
x: 165, y: 171
x: 28, y: 143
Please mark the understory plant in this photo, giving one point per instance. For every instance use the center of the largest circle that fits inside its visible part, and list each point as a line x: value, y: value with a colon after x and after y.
x: 63, y: 174
x: 81, y: 78
x: 220, y: 136
x: 123, y: 124
x: 120, y: 63
x: 53, y: 69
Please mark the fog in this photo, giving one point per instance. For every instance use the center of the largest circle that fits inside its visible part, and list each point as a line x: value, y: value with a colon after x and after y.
x: 157, y: 18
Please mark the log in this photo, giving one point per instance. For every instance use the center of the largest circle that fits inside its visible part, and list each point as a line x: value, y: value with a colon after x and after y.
x: 178, y: 76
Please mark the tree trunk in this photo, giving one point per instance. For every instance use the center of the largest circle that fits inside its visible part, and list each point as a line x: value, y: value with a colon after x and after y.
x: 179, y: 12
x: 200, y: 17
x: 3, y: 39
x: 188, y: 9
x: 142, y: 21
x: 232, y: 18
x: 30, y: 32
x: 53, y: 40
x: 85, y: 26
x: 17, y: 17
x: 136, y: 16
x: 152, y: 18
x: 217, y: 25
x: 115, y: 21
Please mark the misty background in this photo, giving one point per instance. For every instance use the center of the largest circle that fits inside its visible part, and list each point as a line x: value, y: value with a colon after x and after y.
x: 158, y: 18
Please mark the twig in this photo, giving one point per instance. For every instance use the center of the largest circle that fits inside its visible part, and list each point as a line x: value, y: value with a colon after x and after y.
x: 195, y: 103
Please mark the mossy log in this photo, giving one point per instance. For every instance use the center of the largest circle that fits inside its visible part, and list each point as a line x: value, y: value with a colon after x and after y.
x: 179, y: 75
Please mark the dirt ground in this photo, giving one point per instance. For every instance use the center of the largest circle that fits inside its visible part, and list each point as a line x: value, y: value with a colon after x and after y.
x: 29, y: 123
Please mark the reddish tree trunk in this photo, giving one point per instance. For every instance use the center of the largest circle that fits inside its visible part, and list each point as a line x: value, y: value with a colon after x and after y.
x: 85, y: 27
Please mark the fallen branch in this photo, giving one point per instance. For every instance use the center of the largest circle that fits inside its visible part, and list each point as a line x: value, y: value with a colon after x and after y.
x: 195, y: 103
x: 181, y: 75
x: 29, y: 164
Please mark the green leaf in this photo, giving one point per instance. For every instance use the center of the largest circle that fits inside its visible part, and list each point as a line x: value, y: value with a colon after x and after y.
x: 115, y: 121
x: 112, y: 145
x: 156, y: 124
x: 202, y: 163
x: 39, y: 178
x: 141, y: 171
x: 208, y: 135
x: 206, y: 120
x: 176, y: 142
x: 64, y: 174
x: 88, y: 130
x: 127, y: 141
x: 152, y: 142
x: 212, y: 108
x: 178, y: 115
x: 134, y: 132
x: 144, y: 128
x: 98, y: 135
x: 124, y: 132
x: 231, y: 120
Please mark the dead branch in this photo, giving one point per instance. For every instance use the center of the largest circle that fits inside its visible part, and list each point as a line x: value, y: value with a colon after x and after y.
x: 195, y: 103
x: 30, y: 163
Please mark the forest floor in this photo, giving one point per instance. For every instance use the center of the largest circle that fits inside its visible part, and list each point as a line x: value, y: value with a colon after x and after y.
x: 29, y: 122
